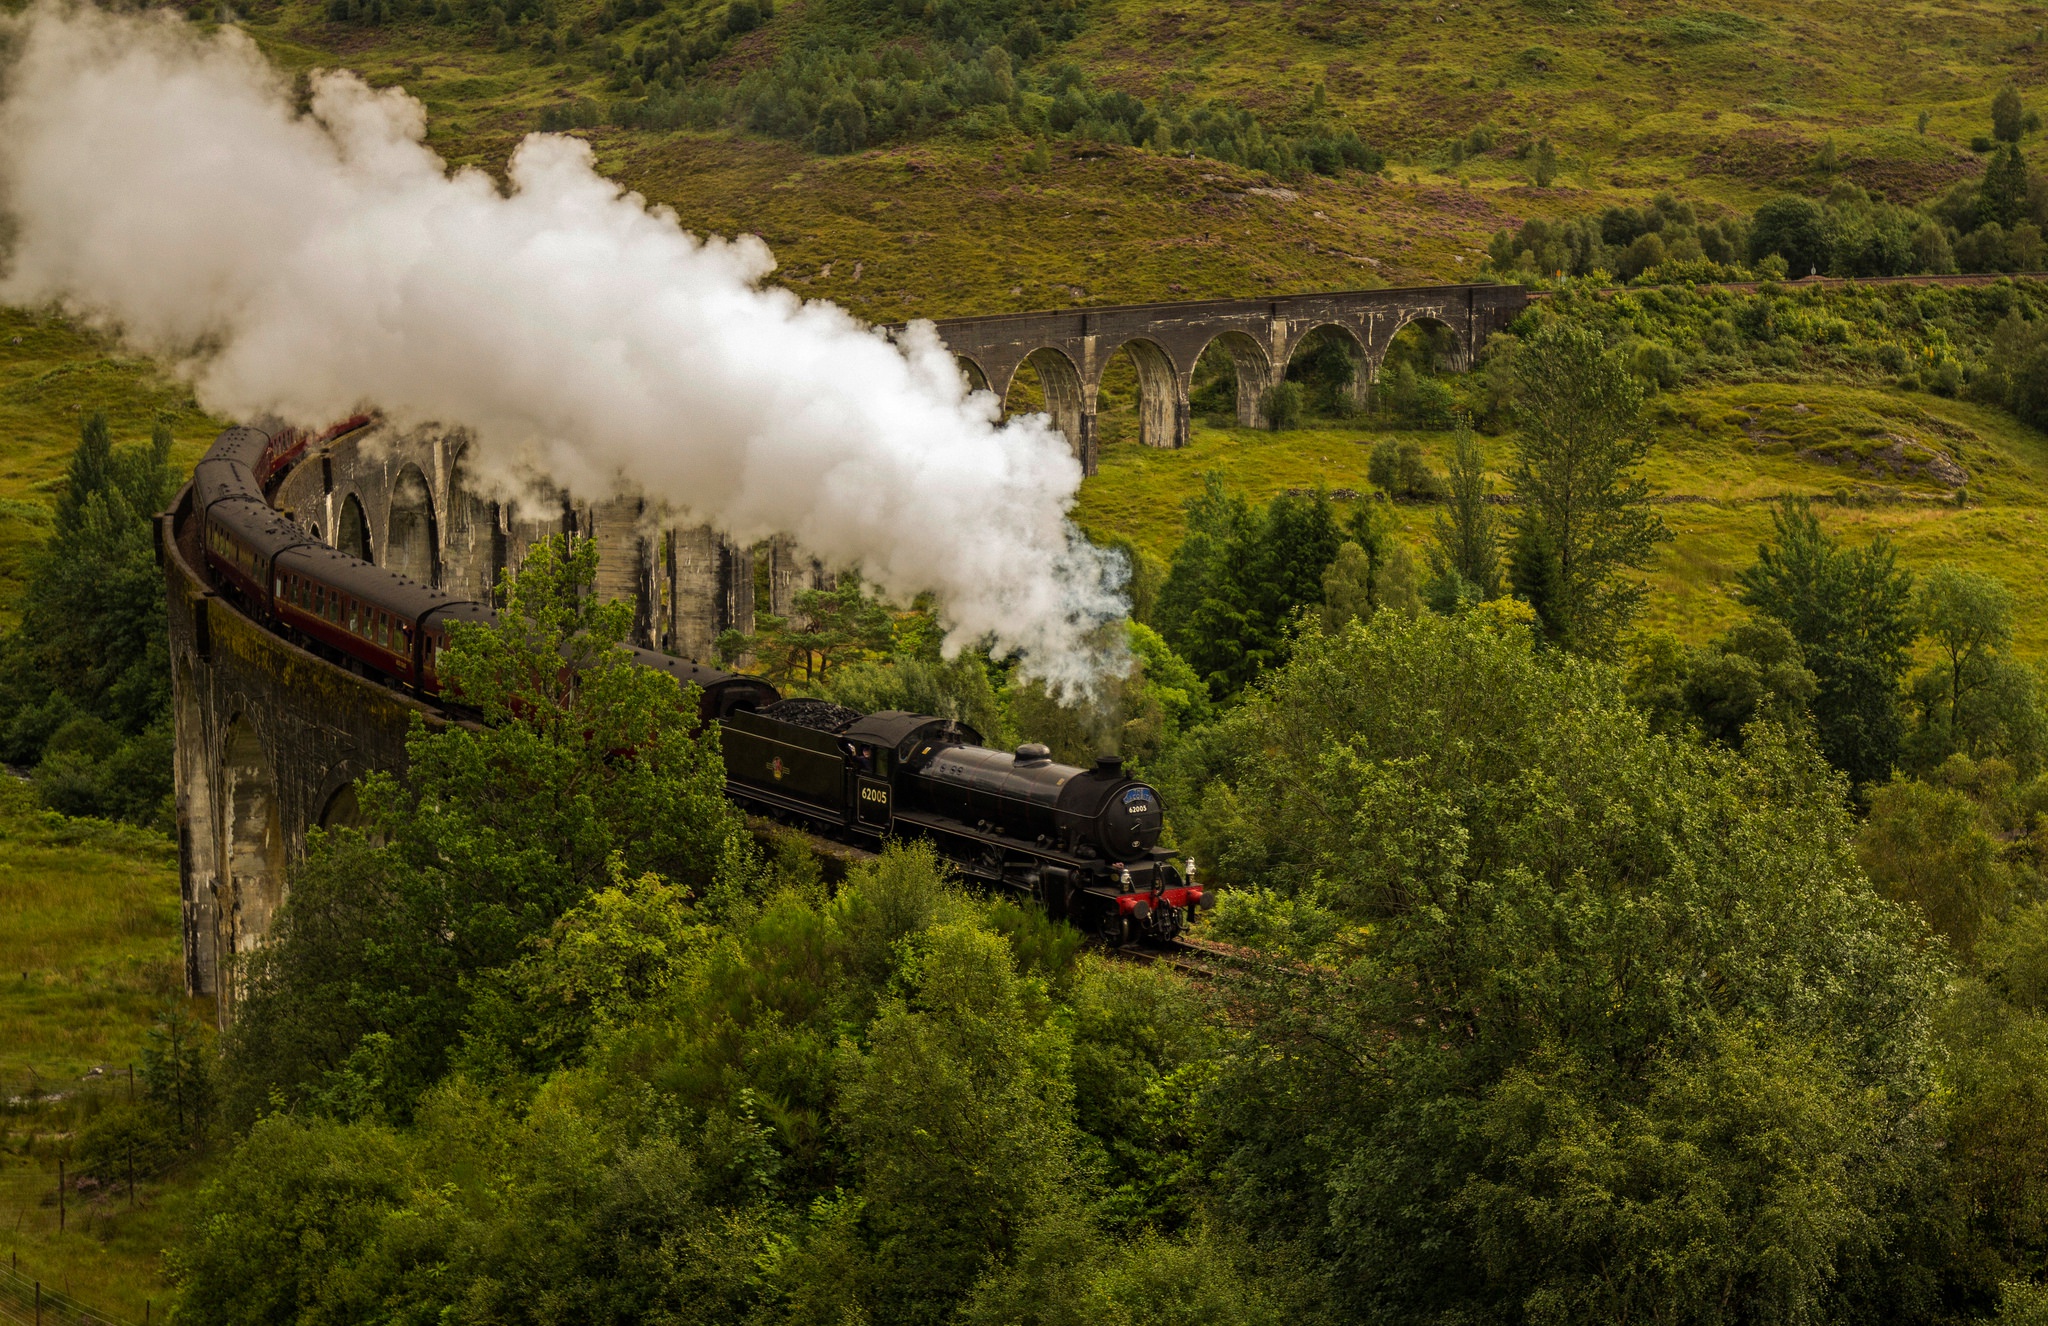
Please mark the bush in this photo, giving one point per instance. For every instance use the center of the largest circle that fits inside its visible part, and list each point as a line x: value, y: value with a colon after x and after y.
x: 1280, y: 405
x: 1794, y: 229
x: 1399, y: 469
x: 744, y: 16
x: 1655, y: 364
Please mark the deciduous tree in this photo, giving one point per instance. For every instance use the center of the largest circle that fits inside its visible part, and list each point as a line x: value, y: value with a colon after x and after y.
x: 1577, y: 454
x: 585, y: 764
x: 1468, y: 533
x: 1852, y: 613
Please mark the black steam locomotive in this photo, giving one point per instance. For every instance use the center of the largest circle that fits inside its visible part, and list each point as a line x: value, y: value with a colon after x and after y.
x: 1084, y: 843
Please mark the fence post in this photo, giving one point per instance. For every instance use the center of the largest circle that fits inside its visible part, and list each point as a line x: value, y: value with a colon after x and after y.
x: 39, y: 1303
x: 60, y: 1197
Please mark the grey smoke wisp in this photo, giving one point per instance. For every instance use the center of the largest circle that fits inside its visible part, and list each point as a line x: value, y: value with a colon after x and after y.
x: 162, y: 184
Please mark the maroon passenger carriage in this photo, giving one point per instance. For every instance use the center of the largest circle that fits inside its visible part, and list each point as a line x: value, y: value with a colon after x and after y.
x: 1084, y: 843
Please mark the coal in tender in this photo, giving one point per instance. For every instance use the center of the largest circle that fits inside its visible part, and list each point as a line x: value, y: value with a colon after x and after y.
x: 818, y: 715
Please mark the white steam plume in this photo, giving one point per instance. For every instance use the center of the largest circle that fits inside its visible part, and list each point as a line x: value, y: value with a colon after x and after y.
x: 161, y: 184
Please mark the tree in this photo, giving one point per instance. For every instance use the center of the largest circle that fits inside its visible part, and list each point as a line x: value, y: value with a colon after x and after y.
x: 826, y: 629
x: 176, y: 1054
x: 585, y: 767
x: 1793, y: 228
x: 1238, y: 579
x: 1280, y: 405
x: 1928, y: 847
x: 1203, y: 609
x: 1400, y: 470
x: 2002, y: 198
x: 1371, y: 570
x: 1851, y: 613
x: 85, y: 677
x: 959, y: 1110
x: 1468, y: 534
x: 2008, y: 116
x: 1576, y: 455
x: 1968, y: 617
x: 1754, y: 670
x: 1536, y: 983
x: 1545, y: 168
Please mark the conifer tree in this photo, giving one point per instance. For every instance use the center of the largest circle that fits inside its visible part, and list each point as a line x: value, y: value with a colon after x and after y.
x: 85, y: 677
x: 2002, y: 198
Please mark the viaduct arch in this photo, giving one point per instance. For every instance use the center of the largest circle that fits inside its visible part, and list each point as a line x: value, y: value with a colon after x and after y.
x: 1070, y: 349
x: 271, y: 740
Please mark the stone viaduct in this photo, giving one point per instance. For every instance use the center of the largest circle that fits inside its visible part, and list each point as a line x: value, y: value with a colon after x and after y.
x: 1070, y: 349
x: 271, y: 739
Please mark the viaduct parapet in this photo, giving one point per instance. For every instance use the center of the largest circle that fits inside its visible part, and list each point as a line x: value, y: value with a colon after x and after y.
x: 1070, y: 349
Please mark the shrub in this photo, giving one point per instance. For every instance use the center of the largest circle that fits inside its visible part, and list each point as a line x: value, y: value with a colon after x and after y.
x: 1399, y: 469
x: 2008, y: 116
x: 1280, y: 405
x: 1655, y: 364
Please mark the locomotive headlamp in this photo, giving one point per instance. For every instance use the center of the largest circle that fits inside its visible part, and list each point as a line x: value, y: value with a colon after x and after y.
x: 1126, y: 881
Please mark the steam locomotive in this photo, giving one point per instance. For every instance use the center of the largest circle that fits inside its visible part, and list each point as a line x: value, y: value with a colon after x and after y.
x: 1082, y: 843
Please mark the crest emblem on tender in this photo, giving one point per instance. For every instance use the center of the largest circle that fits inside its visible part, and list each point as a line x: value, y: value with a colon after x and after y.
x: 777, y: 768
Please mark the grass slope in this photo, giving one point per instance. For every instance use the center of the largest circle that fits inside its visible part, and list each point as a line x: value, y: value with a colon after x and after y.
x: 1724, y: 108
x: 52, y: 375
x: 89, y: 953
x: 1723, y: 453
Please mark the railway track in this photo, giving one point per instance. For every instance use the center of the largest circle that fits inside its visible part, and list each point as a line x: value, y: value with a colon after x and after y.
x: 1194, y: 957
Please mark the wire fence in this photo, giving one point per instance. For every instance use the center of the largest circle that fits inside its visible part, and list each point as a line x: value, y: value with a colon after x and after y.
x: 32, y: 1303
x: 50, y: 1110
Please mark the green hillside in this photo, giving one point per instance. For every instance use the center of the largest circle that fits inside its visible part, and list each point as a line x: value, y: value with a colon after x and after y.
x: 1716, y: 485
x: 53, y: 375
x: 1723, y: 109
x: 972, y: 206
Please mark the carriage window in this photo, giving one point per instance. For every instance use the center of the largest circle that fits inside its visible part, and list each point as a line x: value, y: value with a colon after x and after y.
x: 383, y: 630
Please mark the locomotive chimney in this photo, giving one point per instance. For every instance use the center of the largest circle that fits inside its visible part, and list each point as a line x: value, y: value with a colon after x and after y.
x: 1110, y: 766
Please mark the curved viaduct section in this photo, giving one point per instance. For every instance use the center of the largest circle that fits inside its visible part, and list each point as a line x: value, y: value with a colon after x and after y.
x: 271, y: 739
x: 1069, y: 350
